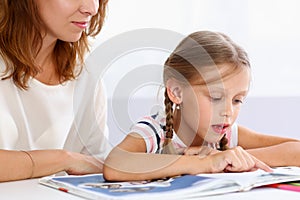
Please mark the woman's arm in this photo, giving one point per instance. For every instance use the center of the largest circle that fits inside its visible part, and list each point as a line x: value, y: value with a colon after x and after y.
x: 17, y: 165
x: 274, y: 151
x: 128, y: 161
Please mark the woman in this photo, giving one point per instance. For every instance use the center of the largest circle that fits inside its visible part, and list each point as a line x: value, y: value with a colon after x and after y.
x: 42, y: 49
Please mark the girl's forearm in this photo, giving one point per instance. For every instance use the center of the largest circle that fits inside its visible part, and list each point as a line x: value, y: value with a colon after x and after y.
x: 285, y: 154
x: 127, y: 166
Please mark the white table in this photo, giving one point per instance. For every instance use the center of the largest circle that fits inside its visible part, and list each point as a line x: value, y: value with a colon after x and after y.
x: 32, y: 190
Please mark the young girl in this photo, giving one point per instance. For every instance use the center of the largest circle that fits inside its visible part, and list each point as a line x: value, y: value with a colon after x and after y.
x: 206, y: 81
x: 42, y: 50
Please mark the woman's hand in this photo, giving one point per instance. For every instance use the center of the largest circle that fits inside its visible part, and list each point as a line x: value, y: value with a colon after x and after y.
x: 83, y: 164
x: 235, y: 160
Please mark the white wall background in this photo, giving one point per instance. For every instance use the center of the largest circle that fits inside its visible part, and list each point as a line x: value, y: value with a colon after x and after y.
x: 268, y: 29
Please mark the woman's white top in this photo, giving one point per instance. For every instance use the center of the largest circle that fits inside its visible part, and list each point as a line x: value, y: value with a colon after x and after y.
x: 69, y: 116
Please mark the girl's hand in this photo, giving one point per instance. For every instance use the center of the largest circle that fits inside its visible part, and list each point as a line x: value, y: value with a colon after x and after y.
x: 79, y: 164
x: 236, y: 160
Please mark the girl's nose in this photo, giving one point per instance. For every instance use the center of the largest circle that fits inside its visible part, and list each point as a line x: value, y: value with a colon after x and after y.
x: 227, y: 110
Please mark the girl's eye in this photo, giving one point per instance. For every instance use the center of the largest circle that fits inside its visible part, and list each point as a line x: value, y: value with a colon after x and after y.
x: 215, y: 98
x: 238, y: 101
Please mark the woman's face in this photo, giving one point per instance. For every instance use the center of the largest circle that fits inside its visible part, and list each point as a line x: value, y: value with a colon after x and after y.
x: 66, y: 19
x: 210, y: 110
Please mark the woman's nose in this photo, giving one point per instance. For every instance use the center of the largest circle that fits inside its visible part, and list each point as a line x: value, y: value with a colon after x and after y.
x: 89, y: 7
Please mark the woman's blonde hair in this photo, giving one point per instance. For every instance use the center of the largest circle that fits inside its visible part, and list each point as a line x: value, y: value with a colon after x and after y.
x: 198, y: 50
x: 21, y: 41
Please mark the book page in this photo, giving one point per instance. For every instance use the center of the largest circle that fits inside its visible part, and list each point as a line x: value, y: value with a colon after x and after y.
x: 241, y: 178
x: 248, y: 180
x: 91, y: 186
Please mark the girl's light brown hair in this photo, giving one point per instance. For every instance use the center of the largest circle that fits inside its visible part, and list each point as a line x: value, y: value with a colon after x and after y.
x: 198, y: 50
x: 21, y: 40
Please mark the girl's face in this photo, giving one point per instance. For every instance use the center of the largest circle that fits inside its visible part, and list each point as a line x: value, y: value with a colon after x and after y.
x: 217, y: 105
x: 66, y: 19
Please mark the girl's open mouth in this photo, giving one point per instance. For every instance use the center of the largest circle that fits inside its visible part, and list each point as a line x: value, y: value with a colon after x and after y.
x: 220, y: 128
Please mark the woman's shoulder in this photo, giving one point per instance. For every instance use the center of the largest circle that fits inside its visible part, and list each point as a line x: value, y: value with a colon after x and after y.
x: 6, y: 85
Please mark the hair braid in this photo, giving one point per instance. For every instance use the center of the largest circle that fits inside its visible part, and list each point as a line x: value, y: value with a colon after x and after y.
x: 168, y: 147
x: 223, y: 143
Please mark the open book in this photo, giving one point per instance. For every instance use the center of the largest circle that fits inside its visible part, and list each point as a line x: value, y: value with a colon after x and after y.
x: 186, y: 186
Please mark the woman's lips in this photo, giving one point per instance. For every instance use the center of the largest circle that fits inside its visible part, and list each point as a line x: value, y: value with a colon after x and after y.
x: 220, y: 128
x: 81, y: 25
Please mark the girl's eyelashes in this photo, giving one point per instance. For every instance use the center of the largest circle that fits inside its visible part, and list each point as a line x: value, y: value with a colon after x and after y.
x: 215, y: 98
x: 238, y: 101
x: 219, y: 98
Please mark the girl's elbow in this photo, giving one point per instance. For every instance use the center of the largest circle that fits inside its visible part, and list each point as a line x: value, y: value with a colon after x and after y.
x: 109, y: 174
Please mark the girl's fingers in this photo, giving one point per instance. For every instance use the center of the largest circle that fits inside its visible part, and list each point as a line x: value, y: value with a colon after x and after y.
x: 261, y: 165
x: 246, y: 159
x: 252, y: 162
x: 240, y: 160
